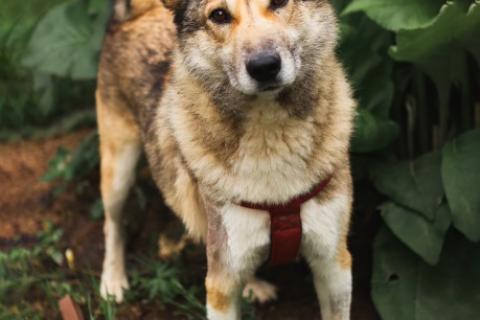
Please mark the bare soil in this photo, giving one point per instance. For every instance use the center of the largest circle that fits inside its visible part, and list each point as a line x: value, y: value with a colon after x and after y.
x: 26, y: 203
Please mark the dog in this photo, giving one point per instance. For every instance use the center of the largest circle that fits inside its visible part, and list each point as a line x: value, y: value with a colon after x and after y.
x: 237, y: 104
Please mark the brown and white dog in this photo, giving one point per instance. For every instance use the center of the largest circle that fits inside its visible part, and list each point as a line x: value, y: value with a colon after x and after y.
x: 234, y: 101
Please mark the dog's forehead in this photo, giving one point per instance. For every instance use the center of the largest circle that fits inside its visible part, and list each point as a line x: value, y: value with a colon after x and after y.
x: 235, y: 5
x: 247, y: 2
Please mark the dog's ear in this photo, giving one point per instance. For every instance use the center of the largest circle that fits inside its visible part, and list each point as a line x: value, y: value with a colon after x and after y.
x: 128, y: 9
x: 171, y: 4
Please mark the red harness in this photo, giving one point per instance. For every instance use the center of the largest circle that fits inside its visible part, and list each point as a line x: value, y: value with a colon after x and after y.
x: 286, y: 225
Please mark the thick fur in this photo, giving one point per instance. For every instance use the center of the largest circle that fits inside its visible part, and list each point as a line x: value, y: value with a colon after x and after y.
x: 214, y: 137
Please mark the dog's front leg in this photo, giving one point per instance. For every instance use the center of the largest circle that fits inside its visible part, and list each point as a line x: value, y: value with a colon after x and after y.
x: 237, y: 243
x: 333, y: 284
x: 223, y: 294
x: 325, y: 249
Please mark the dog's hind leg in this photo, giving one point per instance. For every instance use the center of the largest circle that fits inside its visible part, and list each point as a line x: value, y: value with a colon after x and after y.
x: 119, y: 150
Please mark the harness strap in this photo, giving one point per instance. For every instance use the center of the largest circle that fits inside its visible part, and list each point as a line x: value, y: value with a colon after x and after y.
x: 286, y: 225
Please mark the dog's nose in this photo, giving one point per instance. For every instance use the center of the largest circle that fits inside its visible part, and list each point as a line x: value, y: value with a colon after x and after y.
x: 264, y: 67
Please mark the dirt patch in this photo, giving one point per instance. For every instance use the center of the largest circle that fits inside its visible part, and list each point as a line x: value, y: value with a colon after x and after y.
x: 25, y: 201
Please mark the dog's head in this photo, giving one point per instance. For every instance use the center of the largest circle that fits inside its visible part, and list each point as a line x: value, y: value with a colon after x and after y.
x: 259, y: 45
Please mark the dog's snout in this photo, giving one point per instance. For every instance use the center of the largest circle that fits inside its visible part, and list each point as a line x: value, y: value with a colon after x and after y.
x: 265, y: 66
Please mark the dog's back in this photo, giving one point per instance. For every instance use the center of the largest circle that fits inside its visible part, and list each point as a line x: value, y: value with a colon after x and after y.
x: 136, y: 57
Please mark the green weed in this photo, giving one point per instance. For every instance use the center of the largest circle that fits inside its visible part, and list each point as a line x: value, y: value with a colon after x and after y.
x: 34, y: 279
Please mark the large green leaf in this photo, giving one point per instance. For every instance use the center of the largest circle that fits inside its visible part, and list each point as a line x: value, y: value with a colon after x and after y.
x: 66, y: 42
x: 440, y: 50
x: 461, y: 178
x: 437, y: 49
x: 369, y: 68
x: 339, y: 4
x: 471, y: 36
x: 405, y: 288
x: 416, y: 185
x: 372, y: 133
x: 398, y: 14
x: 424, y: 237
x: 371, y: 76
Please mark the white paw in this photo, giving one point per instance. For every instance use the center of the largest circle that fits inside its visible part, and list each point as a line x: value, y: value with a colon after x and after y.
x: 113, y: 284
x: 259, y: 291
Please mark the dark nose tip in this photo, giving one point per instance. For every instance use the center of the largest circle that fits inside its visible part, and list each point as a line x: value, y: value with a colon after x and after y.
x: 264, y: 67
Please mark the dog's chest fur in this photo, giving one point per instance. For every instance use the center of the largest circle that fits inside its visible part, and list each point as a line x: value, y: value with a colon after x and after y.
x: 271, y: 163
x: 271, y: 158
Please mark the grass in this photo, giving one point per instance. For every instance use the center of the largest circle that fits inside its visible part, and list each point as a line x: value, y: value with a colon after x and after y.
x: 34, y: 278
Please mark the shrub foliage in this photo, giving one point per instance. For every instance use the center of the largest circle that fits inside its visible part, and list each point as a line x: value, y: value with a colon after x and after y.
x: 419, y: 62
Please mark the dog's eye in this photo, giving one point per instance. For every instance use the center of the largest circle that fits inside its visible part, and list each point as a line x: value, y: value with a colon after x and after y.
x: 220, y: 16
x: 277, y: 4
